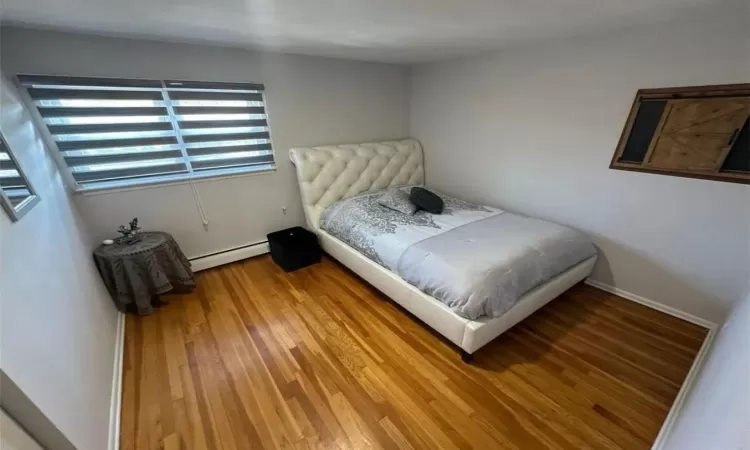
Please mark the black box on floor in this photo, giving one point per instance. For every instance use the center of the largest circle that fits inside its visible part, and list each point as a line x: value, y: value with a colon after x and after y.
x: 294, y: 248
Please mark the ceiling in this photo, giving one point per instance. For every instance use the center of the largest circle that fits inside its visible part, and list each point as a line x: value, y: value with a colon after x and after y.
x: 400, y: 31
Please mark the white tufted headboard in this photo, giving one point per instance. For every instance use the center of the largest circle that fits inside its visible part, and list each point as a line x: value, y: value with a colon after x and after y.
x: 329, y: 173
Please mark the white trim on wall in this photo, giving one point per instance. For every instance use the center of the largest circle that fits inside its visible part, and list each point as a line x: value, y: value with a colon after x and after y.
x: 213, y: 260
x: 653, y: 304
x: 116, y: 402
x: 229, y: 256
x: 700, y: 357
x: 201, y: 263
x: 687, y: 386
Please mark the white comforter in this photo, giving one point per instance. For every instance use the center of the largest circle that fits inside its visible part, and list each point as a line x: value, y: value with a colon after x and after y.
x: 478, y: 260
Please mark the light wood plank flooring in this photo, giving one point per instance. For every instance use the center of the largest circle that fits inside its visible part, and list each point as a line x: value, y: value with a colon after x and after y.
x: 257, y: 358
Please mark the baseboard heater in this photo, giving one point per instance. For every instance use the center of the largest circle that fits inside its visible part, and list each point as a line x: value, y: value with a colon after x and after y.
x: 228, y: 256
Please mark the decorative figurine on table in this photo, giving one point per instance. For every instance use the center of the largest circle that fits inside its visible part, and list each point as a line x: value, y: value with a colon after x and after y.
x: 129, y: 235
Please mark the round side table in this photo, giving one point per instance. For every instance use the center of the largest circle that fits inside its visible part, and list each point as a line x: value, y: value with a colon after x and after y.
x: 136, y: 274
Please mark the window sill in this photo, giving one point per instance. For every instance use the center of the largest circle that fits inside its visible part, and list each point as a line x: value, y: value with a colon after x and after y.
x: 112, y: 187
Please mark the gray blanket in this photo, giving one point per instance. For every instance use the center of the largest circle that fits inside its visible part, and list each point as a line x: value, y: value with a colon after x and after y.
x: 478, y: 260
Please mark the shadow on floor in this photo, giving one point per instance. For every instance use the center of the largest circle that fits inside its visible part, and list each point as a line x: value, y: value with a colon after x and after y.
x: 534, y: 348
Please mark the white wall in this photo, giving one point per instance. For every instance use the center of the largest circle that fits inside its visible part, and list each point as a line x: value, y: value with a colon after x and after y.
x: 311, y: 101
x: 716, y: 414
x: 58, y: 322
x: 533, y: 129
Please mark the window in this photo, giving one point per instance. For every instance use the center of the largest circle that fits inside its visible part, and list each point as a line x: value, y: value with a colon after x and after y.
x: 700, y: 132
x: 17, y: 196
x: 117, y: 132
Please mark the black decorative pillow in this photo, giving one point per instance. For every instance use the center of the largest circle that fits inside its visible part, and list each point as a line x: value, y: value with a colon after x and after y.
x: 426, y: 200
x: 397, y: 200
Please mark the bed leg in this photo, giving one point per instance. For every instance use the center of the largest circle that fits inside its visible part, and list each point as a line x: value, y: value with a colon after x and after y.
x: 466, y: 356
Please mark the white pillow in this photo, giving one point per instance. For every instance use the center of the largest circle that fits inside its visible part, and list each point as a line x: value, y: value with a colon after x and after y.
x: 397, y: 200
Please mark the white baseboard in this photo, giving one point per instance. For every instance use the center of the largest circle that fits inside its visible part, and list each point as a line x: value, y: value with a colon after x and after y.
x: 116, y: 401
x: 200, y: 263
x: 208, y: 261
x: 685, y: 389
x: 229, y: 256
x: 687, y: 384
x: 653, y: 304
x: 214, y: 260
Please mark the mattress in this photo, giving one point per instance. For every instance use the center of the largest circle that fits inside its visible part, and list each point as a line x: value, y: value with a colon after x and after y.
x: 476, y: 259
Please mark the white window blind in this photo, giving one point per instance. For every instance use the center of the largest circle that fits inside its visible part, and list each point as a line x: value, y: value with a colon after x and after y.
x: 12, y: 182
x: 114, y: 132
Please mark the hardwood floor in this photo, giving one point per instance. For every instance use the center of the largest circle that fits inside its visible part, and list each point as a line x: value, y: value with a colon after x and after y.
x: 257, y: 358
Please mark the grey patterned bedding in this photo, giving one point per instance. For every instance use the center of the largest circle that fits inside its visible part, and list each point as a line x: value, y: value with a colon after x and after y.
x: 476, y: 259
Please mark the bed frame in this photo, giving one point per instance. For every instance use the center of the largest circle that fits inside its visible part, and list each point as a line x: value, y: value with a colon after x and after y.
x: 330, y: 173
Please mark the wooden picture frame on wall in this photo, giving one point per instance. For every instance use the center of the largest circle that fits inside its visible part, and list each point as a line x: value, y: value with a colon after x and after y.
x: 696, y: 132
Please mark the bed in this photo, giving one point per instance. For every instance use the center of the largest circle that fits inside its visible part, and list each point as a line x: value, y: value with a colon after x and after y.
x: 334, y: 178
